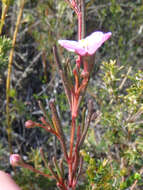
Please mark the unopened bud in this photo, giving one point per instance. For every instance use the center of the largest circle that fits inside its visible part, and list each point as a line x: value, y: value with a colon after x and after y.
x: 15, y: 159
x: 29, y: 124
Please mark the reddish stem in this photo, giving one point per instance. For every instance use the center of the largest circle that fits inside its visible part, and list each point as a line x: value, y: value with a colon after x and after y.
x: 47, y: 128
x: 36, y: 171
x: 78, y: 138
x: 63, y: 147
x: 73, y: 5
x: 72, y: 138
x: 74, y: 101
x: 79, y: 15
x: 78, y: 62
x: 76, y: 80
x: 62, y: 186
x: 75, y: 104
x: 79, y: 25
x: 86, y: 66
x: 75, y: 157
x: 71, y: 151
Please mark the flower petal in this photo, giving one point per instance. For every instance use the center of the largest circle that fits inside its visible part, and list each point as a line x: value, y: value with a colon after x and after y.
x: 81, y: 51
x: 87, y: 46
x: 70, y: 45
x: 95, y: 40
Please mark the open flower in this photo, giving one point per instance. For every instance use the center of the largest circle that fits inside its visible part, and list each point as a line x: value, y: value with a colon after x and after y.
x: 88, y: 45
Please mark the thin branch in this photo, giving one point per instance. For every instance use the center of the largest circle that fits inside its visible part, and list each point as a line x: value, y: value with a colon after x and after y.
x: 35, y: 170
x: 73, y: 5
x: 90, y: 112
x: 62, y: 75
x: 43, y: 157
x: 59, y: 172
x: 53, y: 173
x: 9, y: 73
x: 79, y: 170
x: 125, y: 78
x: 83, y: 18
x: 3, y: 15
x: 44, y: 112
x: 58, y: 128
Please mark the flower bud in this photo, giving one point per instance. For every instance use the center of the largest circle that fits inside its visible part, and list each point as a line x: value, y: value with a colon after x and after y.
x: 29, y: 124
x: 15, y: 159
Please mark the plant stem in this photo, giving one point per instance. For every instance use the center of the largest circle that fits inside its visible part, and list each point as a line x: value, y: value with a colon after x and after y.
x: 9, y: 74
x: 70, y: 163
x: 83, y: 18
x: 3, y: 15
x: 79, y: 25
x: 36, y: 171
x: 72, y: 137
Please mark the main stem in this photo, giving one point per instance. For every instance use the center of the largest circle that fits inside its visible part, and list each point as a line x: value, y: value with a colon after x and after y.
x: 79, y: 15
x: 79, y: 25
x: 76, y: 99
x: 72, y: 138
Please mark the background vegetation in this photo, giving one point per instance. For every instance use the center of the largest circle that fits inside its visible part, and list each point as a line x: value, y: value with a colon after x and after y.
x: 113, y: 151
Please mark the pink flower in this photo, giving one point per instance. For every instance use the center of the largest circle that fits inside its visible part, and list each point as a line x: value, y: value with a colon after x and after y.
x: 15, y: 159
x: 88, y: 45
